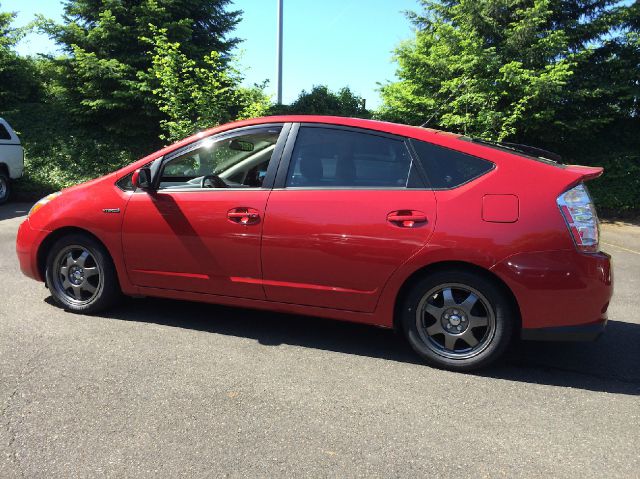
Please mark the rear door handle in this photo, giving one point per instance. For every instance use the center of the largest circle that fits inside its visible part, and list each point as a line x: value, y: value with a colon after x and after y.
x: 407, y: 218
x: 243, y: 216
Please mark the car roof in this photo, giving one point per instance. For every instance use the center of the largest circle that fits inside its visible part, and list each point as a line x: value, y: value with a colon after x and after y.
x: 375, y: 125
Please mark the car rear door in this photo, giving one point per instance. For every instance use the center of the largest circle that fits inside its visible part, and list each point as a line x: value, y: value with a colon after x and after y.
x: 193, y: 235
x: 349, y: 206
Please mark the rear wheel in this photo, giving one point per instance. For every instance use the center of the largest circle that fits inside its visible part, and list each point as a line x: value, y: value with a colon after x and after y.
x: 5, y: 188
x: 80, y: 274
x: 458, y: 320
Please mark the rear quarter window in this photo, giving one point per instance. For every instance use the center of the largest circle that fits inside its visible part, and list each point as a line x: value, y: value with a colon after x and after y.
x: 446, y: 168
x: 125, y: 183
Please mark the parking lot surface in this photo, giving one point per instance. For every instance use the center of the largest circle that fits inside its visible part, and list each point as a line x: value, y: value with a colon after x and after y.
x: 159, y: 388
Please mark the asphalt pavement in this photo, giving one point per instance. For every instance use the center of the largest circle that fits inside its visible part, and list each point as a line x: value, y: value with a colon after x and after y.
x: 160, y: 388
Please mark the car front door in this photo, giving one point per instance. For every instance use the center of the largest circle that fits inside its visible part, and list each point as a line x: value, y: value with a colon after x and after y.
x: 348, y: 208
x: 200, y: 230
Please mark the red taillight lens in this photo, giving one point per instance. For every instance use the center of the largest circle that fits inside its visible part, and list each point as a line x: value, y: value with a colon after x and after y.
x: 581, y: 217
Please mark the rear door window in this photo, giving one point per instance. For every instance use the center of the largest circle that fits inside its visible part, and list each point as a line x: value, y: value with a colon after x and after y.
x: 339, y: 158
x: 446, y: 168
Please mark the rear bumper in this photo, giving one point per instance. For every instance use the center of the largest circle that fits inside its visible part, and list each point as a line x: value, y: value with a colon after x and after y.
x: 586, y: 332
x: 28, y: 242
x: 562, y: 295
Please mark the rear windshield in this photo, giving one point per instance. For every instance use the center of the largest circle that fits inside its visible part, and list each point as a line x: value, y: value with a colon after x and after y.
x: 525, y: 151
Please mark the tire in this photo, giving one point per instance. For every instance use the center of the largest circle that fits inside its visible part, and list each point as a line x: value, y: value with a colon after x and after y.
x: 81, y: 276
x: 5, y: 188
x: 458, y: 320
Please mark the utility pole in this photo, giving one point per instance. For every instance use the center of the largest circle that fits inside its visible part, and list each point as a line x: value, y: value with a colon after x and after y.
x: 279, y: 54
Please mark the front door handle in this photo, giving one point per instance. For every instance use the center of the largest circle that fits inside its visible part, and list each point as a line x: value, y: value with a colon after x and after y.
x: 407, y: 218
x: 244, y: 216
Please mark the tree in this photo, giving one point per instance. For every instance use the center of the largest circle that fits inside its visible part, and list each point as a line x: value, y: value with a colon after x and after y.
x: 19, y: 80
x: 104, y: 72
x: 193, y: 97
x: 601, y: 106
x: 503, y: 68
x: 480, y: 66
x: 322, y: 101
x: 560, y: 74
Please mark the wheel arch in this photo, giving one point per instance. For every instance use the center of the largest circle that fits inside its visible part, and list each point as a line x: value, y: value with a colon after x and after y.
x: 51, y: 238
x: 4, y: 169
x: 451, y: 265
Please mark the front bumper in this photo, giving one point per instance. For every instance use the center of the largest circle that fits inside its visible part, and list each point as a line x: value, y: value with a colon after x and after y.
x: 28, y: 242
x: 562, y: 295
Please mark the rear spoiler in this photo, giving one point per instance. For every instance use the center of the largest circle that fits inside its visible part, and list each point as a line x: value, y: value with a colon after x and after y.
x: 584, y: 173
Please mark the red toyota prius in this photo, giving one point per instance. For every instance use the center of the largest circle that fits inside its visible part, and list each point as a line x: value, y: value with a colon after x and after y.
x: 460, y: 243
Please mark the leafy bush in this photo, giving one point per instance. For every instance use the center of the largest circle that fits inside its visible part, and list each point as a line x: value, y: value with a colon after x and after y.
x: 192, y: 97
x: 58, y: 154
x: 617, y: 192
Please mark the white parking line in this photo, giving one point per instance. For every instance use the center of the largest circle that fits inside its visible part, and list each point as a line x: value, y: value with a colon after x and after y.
x: 622, y: 248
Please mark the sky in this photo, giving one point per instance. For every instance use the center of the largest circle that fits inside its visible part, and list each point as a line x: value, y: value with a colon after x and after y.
x: 329, y: 42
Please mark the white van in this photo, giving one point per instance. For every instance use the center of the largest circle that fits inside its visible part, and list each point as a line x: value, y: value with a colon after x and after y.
x: 11, y: 159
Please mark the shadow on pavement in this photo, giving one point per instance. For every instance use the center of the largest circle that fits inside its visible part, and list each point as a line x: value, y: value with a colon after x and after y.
x: 611, y: 364
x: 14, y: 210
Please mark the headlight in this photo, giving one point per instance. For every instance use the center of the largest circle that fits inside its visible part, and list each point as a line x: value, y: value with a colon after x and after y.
x: 43, y: 202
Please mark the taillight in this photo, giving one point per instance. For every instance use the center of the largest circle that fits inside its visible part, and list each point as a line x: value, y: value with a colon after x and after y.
x: 581, y: 217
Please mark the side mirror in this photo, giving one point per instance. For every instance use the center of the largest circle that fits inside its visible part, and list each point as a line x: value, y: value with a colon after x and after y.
x: 141, y: 178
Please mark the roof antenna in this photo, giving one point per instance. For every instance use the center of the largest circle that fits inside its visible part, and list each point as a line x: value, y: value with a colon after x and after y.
x: 464, y: 80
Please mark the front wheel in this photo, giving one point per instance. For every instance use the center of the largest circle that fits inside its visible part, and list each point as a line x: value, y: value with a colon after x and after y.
x: 458, y: 320
x: 80, y: 275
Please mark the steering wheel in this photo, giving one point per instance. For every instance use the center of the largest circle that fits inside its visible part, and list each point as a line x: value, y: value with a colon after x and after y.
x: 213, y: 181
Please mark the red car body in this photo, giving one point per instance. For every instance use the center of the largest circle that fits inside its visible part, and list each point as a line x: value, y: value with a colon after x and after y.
x: 337, y: 253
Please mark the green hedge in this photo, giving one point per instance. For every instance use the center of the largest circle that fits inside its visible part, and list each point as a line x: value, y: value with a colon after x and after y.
x: 617, y: 192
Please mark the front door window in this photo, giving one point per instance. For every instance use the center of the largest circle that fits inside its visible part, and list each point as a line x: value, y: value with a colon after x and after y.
x: 234, y: 162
